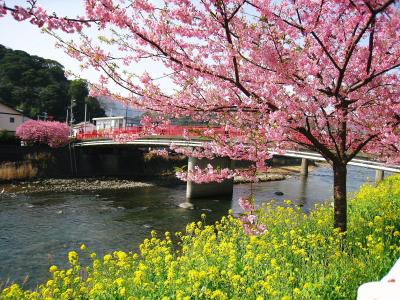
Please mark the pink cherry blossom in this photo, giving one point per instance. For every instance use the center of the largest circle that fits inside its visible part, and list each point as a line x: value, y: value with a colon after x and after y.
x: 206, y: 175
x: 160, y: 152
x: 246, y: 204
x: 249, y: 219
x: 54, y: 134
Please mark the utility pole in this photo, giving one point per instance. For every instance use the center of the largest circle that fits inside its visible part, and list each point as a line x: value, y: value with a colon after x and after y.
x: 84, y: 124
x: 73, y: 104
x: 72, y: 120
x: 126, y: 115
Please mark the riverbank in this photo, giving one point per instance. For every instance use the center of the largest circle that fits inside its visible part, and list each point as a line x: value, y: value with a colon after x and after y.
x: 276, y: 174
x: 71, y: 185
x: 105, y: 183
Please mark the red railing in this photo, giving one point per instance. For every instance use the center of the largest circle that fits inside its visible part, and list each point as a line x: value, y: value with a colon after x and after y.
x: 166, y: 131
x: 170, y: 130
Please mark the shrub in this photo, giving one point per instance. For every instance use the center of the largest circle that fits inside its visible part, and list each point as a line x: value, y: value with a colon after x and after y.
x: 54, y: 134
x: 299, y: 257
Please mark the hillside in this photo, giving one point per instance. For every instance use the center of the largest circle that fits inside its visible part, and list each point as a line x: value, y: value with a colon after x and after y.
x: 37, y: 86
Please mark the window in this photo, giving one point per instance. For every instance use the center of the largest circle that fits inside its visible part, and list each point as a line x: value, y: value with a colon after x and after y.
x: 12, y: 120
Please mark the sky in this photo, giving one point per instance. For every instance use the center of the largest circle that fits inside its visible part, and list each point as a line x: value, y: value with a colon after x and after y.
x: 24, y: 36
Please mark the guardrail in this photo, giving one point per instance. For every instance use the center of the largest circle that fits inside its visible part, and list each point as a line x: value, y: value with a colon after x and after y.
x: 170, y: 130
x: 143, y: 141
x: 365, y: 163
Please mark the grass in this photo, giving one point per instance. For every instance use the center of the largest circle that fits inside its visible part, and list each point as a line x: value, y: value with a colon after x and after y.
x: 299, y: 257
x: 17, y: 171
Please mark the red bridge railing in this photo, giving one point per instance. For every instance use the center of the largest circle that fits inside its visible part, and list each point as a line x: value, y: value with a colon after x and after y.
x: 168, y: 131
x: 165, y: 131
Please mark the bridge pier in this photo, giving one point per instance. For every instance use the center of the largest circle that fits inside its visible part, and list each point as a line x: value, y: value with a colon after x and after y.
x: 205, y: 190
x: 379, y: 174
x: 303, y: 191
x: 304, y: 167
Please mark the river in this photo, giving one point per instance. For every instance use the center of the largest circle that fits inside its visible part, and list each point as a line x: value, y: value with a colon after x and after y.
x: 38, y: 230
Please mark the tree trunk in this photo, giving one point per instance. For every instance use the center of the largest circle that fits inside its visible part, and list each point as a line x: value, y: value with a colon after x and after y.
x: 340, y: 195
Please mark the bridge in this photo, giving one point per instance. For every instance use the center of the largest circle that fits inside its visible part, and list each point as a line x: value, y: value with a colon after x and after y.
x: 165, y: 136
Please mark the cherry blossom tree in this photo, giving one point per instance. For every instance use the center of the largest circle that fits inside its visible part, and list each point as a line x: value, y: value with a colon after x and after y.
x: 52, y: 133
x: 321, y: 74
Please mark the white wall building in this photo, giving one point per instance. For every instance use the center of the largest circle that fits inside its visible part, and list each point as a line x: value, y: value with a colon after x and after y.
x: 10, y: 118
x: 109, y: 123
x: 82, y: 127
x: 105, y: 123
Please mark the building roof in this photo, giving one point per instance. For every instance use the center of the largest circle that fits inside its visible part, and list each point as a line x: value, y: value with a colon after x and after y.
x: 5, y: 109
x: 82, y: 124
x: 108, y: 118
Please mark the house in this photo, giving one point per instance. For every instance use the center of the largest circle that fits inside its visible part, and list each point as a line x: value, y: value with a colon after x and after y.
x: 10, y: 118
x: 82, y: 127
x: 115, y: 122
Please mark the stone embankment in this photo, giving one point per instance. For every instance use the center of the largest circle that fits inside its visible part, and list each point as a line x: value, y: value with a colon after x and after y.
x: 261, y: 178
x: 97, y: 184
x: 275, y: 174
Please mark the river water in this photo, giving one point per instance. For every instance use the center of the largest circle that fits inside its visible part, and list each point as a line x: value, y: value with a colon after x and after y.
x: 38, y: 230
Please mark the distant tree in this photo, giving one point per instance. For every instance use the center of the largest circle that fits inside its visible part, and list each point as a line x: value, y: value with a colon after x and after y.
x: 94, y: 108
x: 55, y: 134
x: 78, y: 90
x: 33, y: 84
x: 36, y: 86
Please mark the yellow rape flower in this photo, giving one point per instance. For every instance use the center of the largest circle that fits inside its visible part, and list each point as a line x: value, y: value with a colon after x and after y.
x: 73, y: 257
x: 53, y: 269
x: 107, y: 258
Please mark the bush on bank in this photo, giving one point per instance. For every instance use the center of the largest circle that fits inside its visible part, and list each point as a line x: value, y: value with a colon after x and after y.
x: 299, y: 257
x: 52, y: 133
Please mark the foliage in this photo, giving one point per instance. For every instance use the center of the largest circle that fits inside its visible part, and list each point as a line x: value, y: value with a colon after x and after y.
x: 78, y: 90
x: 36, y: 85
x: 32, y: 84
x: 299, y: 257
x: 55, y: 134
x: 8, y: 138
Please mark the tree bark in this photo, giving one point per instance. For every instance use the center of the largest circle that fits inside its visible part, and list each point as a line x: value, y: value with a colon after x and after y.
x: 340, y: 195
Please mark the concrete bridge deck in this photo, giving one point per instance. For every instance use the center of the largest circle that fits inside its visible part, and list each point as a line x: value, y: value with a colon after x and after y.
x: 166, y: 142
x: 173, y: 136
